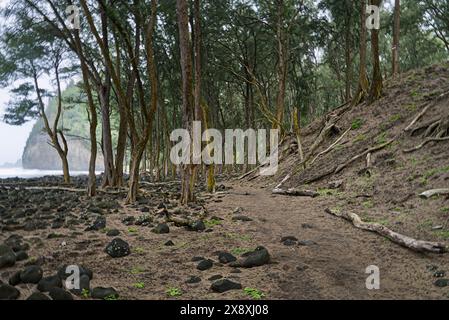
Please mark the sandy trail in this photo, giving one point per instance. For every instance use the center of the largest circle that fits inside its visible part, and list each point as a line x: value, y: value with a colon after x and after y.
x: 336, y: 265
x: 332, y: 268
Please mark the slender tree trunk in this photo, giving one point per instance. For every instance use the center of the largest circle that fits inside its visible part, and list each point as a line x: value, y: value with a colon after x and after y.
x: 104, y: 96
x: 282, y: 67
x: 377, y: 82
x: 187, y: 170
x: 396, y: 37
x: 348, y: 56
x: 363, y: 86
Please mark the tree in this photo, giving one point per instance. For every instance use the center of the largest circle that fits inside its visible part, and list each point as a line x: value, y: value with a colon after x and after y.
x: 377, y: 82
x: 28, y: 56
x: 396, y: 37
x: 363, y: 83
x: 188, y: 171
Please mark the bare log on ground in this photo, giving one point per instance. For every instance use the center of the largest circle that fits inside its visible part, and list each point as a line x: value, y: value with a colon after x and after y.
x: 371, y: 150
x: 436, y: 192
x: 405, y: 241
x: 296, y: 193
x: 422, y: 145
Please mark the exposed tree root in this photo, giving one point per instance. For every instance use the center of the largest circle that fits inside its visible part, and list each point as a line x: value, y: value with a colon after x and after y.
x: 426, y: 108
x: 331, y: 147
x: 363, y: 154
x: 428, y: 140
x: 436, y: 192
x: 405, y: 241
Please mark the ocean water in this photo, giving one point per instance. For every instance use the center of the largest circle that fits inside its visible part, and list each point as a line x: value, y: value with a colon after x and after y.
x: 25, y: 173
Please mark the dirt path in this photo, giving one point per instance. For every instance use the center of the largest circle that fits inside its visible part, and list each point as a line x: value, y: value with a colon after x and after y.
x: 331, y: 265
x: 335, y: 266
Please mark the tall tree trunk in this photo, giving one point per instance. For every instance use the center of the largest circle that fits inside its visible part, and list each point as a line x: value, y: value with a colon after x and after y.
x: 363, y: 86
x: 104, y: 96
x: 377, y: 83
x: 282, y: 66
x: 187, y: 170
x: 396, y: 37
x: 348, y: 56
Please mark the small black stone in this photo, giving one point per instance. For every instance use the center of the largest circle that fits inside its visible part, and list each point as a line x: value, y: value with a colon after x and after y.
x: 442, y: 283
x: 161, y: 229
x: 257, y: 258
x: 7, y: 260
x: 169, y: 243
x: 21, y: 256
x: 193, y: 280
x: 224, y: 285
x: 226, y: 257
x: 60, y: 294
x: 104, y: 293
x: 38, y: 296
x: 8, y: 292
x: 14, y: 280
x: 113, y: 233
x: 48, y: 283
x: 205, y: 265
x: 31, y: 274
x: 118, y: 248
x: 198, y: 226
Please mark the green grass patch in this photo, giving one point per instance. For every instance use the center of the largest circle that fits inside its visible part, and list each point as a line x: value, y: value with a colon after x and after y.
x: 369, y: 204
x: 445, y: 210
x: 212, y: 223
x: 254, y: 293
x: 442, y: 234
x: 240, y: 251
x: 173, y: 292
x: 132, y: 230
x: 395, y: 118
x: 357, y: 124
x: 360, y: 138
x: 139, y: 285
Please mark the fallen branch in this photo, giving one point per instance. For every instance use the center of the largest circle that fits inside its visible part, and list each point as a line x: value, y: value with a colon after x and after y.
x: 366, y: 152
x: 436, y: 192
x: 429, y: 140
x: 331, y: 147
x: 424, y: 111
x: 405, y: 241
x: 296, y: 193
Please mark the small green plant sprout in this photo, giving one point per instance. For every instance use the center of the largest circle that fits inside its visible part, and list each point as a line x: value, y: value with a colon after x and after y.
x: 357, y: 124
x: 139, y: 285
x: 85, y: 294
x: 254, y: 293
x: 445, y: 210
x: 395, y: 118
x: 174, y: 292
x: 132, y: 230
x: 139, y: 250
x: 111, y: 297
x: 212, y: 223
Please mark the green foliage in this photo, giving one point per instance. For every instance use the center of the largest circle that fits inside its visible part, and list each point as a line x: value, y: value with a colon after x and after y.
x: 357, y: 124
x: 254, y: 293
x: 139, y: 285
x: 173, y: 292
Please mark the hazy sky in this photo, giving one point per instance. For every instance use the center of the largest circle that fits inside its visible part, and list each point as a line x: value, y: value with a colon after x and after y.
x: 12, y: 139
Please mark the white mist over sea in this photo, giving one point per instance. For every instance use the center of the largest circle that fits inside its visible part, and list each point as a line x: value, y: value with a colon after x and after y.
x: 27, y: 174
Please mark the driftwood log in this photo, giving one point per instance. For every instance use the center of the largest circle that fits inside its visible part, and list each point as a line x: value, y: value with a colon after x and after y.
x: 295, y: 192
x: 405, y: 241
x: 436, y: 192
